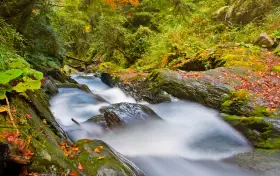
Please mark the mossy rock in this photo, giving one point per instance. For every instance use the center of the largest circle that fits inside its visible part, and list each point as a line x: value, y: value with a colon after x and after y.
x: 224, y: 56
x: 45, y: 143
x: 73, y: 85
x: 244, y: 11
x: 263, y: 162
x: 261, y: 132
x: 276, y: 69
x: 111, y: 164
x: 203, y: 91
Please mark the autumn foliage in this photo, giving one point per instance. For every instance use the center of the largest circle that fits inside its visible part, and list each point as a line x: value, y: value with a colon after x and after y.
x: 115, y: 3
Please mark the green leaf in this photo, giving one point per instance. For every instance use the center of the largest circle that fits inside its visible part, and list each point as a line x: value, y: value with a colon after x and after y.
x: 9, y: 75
x: 37, y: 75
x: 28, y: 84
x: 2, y: 94
x: 17, y: 63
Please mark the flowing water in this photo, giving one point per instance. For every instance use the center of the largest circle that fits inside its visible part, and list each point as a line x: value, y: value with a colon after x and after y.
x: 191, y: 140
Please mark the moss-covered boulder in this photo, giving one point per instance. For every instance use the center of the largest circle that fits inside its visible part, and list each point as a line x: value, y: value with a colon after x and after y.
x: 203, y: 91
x: 246, y: 56
x: 264, y: 41
x: 214, y: 88
x: 97, y: 158
x: 261, y: 132
x: 244, y: 11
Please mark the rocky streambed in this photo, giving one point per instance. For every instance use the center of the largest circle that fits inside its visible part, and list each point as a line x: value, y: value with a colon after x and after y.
x: 184, y: 137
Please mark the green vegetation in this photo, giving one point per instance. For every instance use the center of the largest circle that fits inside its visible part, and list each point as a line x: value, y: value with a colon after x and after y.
x: 239, y: 39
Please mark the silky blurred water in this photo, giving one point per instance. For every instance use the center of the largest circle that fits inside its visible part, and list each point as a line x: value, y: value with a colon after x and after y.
x: 191, y: 140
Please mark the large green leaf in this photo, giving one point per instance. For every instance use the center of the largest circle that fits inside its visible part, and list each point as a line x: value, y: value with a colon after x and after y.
x: 28, y: 84
x: 17, y: 63
x: 37, y: 75
x: 9, y: 75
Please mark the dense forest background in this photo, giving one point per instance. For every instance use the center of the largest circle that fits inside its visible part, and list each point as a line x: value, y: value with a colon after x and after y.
x: 123, y: 34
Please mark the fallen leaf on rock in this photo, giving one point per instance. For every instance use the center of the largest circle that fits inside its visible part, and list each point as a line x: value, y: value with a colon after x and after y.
x: 74, y: 173
x: 96, y: 150
x: 28, y: 116
x: 100, y: 157
x: 27, y: 152
x: 101, y: 147
x: 80, y: 166
x: 75, y: 149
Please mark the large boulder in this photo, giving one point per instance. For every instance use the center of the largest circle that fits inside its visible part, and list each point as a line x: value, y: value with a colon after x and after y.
x: 263, y: 162
x: 264, y: 41
x: 138, y: 88
x: 210, y: 88
x: 106, y: 162
x: 261, y: 132
x: 244, y: 11
x: 121, y: 114
x: 206, y: 92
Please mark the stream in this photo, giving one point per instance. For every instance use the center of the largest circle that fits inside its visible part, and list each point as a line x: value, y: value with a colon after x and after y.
x: 191, y: 140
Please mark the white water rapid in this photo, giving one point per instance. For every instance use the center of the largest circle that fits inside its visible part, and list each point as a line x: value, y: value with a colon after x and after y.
x: 191, y: 141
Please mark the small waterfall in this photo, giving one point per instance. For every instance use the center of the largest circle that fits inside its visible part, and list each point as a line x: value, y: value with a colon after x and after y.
x: 191, y: 140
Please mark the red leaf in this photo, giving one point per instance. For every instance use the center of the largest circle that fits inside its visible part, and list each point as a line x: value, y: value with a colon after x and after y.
x: 28, y: 116
x: 80, y: 166
x: 27, y: 152
x: 74, y: 173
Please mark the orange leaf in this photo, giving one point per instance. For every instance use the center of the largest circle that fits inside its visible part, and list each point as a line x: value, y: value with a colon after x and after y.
x: 75, y: 149
x: 27, y: 152
x: 74, y: 173
x: 101, y: 147
x: 96, y: 150
x: 80, y: 166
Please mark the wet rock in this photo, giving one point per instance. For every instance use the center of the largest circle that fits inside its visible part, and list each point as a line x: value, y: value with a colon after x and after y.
x: 73, y: 85
x: 46, y: 141
x: 264, y: 41
x: 127, y: 113
x: 141, y: 90
x: 58, y: 75
x: 109, y: 79
x: 261, y: 132
x: 209, y: 88
x: 203, y: 91
x: 50, y: 87
x: 263, y: 162
x: 138, y: 88
x: 40, y: 102
x: 100, y: 120
x: 112, y: 164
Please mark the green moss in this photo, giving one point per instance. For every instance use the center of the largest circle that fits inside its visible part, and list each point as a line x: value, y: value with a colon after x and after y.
x: 93, y: 164
x: 236, y: 102
x: 257, y: 130
x: 261, y: 111
x: 276, y: 69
